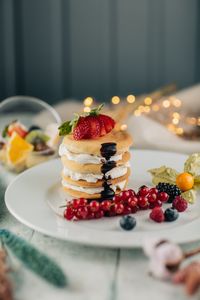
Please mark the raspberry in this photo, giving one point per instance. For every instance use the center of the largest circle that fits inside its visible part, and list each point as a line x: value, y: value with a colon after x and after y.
x: 157, y: 215
x: 180, y: 204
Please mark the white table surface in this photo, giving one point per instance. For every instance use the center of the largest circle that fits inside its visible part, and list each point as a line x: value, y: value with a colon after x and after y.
x: 93, y: 273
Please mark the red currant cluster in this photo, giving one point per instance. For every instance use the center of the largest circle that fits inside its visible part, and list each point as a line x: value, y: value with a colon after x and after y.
x: 125, y: 203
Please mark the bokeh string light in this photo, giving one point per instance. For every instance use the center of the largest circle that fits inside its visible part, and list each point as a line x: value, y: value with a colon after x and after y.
x: 167, y: 111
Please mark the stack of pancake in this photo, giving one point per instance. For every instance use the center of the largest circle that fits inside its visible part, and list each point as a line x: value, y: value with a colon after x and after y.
x: 92, y: 166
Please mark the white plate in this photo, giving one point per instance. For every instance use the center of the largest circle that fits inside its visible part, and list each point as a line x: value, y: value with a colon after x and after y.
x: 34, y: 199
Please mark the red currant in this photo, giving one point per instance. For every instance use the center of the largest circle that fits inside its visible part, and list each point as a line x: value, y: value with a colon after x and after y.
x: 163, y: 197
x: 105, y: 205
x: 152, y: 197
x: 143, y: 191
x: 132, y: 201
x: 129, y: 193
x: 119, y: 208
x: 82, y: 212
x: 127, y: 210
x: 153, y: 191
x: 112, y: 211
x: 82, y: 202
x: 117, y: 198
x: 94, y: 206
x: 75, y: 203
x: 124, y: 195
x: 143, y: 202
x: 91, y: 215
x: 69, y: 213
x: 99, y: 214
x: 134, y: 209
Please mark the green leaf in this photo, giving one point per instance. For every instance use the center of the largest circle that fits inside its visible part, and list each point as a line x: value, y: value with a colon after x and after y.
x: 192, y: 164
x: 95, y: 111
x: 163, y: 174
x: 189, y: 196
x: 5, y: 131
x: 33, y: 259
x: 65, y: 128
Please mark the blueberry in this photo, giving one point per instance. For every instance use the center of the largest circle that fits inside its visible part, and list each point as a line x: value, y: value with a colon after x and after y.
x: 34, y: 127
x: 171, y: 214
x: 127, y: 222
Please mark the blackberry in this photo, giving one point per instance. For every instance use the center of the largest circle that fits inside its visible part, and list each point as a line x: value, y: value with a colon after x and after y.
x: 171, y: 189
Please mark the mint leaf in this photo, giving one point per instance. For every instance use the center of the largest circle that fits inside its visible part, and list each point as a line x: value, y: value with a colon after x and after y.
x: 65, y: 128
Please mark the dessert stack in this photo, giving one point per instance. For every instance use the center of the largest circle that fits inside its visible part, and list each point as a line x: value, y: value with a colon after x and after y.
x: 95, y: 156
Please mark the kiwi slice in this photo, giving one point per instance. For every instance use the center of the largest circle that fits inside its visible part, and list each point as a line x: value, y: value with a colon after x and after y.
x: 36, y: 135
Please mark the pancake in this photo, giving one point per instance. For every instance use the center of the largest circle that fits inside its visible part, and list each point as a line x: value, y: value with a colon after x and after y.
x: 89, y: 146
x: 99, y: 183
x: 90, y: 168
x: 78, y: 194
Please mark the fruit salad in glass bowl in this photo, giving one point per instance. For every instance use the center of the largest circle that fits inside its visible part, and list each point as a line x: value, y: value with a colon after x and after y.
x: 29, y: 133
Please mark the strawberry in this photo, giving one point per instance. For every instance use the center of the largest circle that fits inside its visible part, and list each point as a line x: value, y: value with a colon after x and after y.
x: 88, y: 126
x: 18, y: 128
x: 82, y: 129
x: 109, y: 123
x: 95, y: 130
x: 102, y: 127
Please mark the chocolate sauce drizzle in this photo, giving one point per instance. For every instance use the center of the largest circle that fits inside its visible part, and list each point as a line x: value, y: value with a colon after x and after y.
x: 107, y: 151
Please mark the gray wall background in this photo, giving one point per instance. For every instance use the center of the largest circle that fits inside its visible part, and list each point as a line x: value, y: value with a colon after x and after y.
x: 54, y: 49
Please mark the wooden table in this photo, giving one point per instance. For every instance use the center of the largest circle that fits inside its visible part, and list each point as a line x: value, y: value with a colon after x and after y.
x: 94, y: 273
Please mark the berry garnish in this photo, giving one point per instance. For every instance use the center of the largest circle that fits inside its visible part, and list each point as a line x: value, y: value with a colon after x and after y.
x: 152, y: 197
x: 69, y: 213
x: 171, y: 189
x: 163, y: 197
x: 143, y: 191
x: 143, y: 202
x: 117, y: 198
x: 180, y: 204
x: 82, y: 129
x: 99, y: 214
x: 88, y: 126
x: 94, y: 206
x: 82, y: 212
x: 171, y: 214
x: 119, y: 208
x: 127, y: 210
x: 127, y: 222
x: 105, y: 205
x: 132, y: 201
x: 157, y: 215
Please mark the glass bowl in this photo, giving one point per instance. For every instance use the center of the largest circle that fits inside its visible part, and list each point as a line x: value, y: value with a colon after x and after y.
x: 28, y: 132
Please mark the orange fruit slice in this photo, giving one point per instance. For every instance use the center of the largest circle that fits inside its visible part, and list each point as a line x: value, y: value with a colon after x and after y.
x: 17, y: 149
x: 185, y: 181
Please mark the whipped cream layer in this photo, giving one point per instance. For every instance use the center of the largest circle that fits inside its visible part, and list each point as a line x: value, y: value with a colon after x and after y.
x: 86, y: 158
x: 114, y: 173
x: 91, y: 191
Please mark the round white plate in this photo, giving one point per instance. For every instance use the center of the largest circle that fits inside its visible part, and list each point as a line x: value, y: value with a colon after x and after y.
x: 35, y: 197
